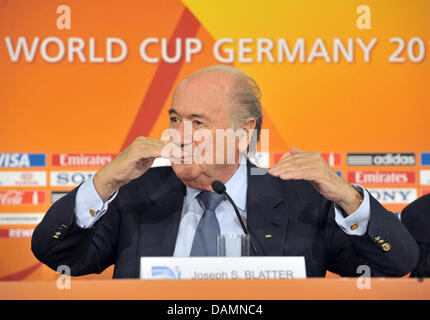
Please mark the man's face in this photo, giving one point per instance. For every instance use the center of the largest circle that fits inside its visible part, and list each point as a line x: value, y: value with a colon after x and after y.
x: 203, y: 104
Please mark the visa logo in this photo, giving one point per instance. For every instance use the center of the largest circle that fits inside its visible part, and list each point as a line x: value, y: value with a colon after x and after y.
x: 22, y: 160
x: 425, y: 158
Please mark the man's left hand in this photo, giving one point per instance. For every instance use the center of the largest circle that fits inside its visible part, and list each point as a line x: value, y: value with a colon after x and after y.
x: 311, y: 166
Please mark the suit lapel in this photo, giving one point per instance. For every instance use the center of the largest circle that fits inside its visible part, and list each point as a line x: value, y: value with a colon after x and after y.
x: 160, y: 217
x: 266, y: 224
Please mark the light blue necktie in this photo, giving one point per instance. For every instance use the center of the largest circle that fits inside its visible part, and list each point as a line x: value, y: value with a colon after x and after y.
x: 204, y: 243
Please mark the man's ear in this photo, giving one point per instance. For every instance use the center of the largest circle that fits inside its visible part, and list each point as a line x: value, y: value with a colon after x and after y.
x: 248, y: 127
x: 249, y: 124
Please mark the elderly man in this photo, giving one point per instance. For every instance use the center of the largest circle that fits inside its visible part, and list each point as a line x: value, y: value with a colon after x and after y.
x: 299, y: 208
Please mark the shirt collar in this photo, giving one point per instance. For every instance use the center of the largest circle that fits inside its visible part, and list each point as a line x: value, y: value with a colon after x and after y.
x: 236, y: 188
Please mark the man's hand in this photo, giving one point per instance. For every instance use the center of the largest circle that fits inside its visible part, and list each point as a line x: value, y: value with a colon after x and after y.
x: 130, y: 164
x: 311, y: 166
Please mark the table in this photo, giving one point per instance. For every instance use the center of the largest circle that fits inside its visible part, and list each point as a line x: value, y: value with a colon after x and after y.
x: 315, y: 288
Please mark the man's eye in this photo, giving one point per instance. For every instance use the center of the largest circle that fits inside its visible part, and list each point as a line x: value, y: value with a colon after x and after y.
x: 198, y: 123
x: 174, y: 119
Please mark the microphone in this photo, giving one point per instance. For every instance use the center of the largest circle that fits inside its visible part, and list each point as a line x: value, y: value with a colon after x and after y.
x: 219, y: 188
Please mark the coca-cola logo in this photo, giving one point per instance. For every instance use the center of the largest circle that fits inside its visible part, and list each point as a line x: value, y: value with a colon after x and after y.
x: 12, y: 197
x: 17, y: 197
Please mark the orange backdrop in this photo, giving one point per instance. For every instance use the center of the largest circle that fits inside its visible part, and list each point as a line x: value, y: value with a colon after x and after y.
x: 78, y: 107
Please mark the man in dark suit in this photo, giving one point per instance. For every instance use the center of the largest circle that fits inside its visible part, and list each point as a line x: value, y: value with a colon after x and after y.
x: 416, y: 218
x: 300, y: 207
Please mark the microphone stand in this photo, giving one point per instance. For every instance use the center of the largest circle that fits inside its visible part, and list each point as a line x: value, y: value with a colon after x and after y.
x: 220, y: 188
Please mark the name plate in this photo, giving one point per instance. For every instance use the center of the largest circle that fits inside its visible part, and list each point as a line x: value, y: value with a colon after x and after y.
x: 204, y: 268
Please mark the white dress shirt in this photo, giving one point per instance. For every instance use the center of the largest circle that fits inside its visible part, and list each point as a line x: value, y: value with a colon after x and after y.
x: 88, y: 199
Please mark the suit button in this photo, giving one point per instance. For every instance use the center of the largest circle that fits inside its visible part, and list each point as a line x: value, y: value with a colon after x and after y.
x: 379, y: 240
x: 354, y: 226
x: 386, y: 246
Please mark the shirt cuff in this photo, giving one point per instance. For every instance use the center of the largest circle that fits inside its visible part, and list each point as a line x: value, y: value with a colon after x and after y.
x: 356, y: 223
x: 89, y: 207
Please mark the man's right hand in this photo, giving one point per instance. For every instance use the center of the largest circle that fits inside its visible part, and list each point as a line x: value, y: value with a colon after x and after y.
x: 130, y: 164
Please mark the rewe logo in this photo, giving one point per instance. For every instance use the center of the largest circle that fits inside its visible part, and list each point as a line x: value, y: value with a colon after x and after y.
x: 24, y: 233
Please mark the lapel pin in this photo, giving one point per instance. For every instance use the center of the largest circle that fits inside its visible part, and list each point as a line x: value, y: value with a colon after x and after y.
x: 268, y: 235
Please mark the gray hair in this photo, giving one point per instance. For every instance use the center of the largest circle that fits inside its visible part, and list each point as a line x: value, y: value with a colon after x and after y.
x: 247, y: 98
x: 246, y: 95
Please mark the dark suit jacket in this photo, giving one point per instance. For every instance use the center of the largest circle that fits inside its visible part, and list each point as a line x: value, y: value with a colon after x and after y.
x: 416, y: 218
x: 143, y: 220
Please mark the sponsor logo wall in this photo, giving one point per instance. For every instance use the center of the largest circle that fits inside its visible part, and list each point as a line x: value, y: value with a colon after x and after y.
x: 26, y: 194
x: 395, y: 178
x: 360, y: 168
x: 389, y: 186
x: 29, y: 184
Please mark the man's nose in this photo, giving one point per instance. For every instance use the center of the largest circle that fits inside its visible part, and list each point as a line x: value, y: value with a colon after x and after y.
x: 185, y: 133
